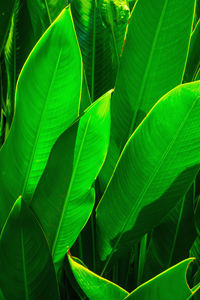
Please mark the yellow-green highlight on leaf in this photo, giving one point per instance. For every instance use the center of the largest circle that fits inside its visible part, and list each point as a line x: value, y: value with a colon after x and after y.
x: 26, y: 265
x: 64, y: 200
x: 94, y: 286
x: 47, y: 102
x: 171, y: 284
x: 156, y: 168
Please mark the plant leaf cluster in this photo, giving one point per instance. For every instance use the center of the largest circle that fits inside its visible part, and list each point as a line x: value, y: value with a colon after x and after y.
x: 99, y: 149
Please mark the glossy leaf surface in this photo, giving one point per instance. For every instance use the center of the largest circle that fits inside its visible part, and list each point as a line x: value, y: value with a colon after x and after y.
x: 27, y: 270
x: 156, y: 167
x: 94, y: 286
x: 47, y: 102
x: 63, y: 200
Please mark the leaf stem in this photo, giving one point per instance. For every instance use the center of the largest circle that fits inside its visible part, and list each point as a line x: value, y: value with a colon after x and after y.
x: 142, y: 258
x: 176, y: 233
x: 48, y: 12
x: 93, y: 51
x: 93, y: 243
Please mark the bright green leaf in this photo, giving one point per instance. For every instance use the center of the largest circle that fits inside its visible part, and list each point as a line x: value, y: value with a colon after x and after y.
x: 47, y: 102
x: 152, y: 63
x: 94, y: 286
x: 63, y: 200
x: 156, y: 168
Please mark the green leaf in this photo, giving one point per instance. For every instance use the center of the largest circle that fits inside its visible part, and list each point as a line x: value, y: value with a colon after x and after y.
x: 100, y: 27
x: 171, y: 284
x: 26, y: 265
x: 47, y: 102
x: 149, y: 67
x: 193, y: 60
x: 64, y: 200
x: 2, y: 296
x: 94, y: 286
x: 172, y: 239
x: 156, y: 168
x: 43, y: 13
x: 6, y: 10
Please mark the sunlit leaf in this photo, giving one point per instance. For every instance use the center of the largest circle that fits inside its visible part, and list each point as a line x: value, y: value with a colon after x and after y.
x: 63, y: 200
x: 156, y: 168
x: 47, y: 102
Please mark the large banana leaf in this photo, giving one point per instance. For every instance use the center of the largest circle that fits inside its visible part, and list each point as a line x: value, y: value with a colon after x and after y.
x: 6, y: 10
x: 27, y: 270
x: 172, y: 239
x: 156, y: 168
x: 170, y: 284
x: 94, y: 286
x: 42, y: 13
x: 100, y: 27
x: 152, y: 63
x: 63, y: 200
x: 47, y: 102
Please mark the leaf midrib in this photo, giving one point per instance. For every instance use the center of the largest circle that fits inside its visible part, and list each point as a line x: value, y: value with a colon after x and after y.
x: 24, y: 265
x: 29, y: 167
x: 151, y: 178
x: 69, y: 189
x: 149, y: 62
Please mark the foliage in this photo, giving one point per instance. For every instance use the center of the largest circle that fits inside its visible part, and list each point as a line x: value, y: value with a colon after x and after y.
x: 100, y: 149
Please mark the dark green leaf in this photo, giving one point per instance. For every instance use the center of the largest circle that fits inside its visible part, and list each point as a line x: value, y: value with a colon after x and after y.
x: 26, y: 265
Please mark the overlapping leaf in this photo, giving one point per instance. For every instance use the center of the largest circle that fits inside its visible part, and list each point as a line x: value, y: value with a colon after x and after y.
x: 43, y: 13
x: 100, y: 27
x: 170, y: 284
x: 63, y: 200
x: 47, y: 102
x: 27, y: 270
x: 152, y: 63
x: 94, y: 286
x: 156, y: 167
x: 172, y: 239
